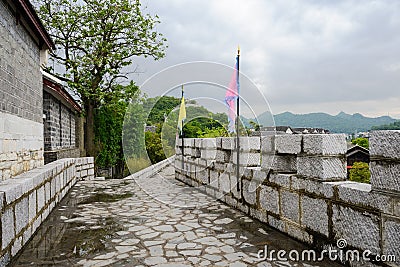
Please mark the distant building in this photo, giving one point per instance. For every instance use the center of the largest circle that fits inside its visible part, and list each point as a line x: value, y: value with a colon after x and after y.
x: 308, y: 130
x: 275, y: 130
x: 290, y: 130
x: 357, y: 153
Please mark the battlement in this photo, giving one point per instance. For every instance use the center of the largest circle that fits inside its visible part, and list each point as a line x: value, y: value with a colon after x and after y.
x: 297, y: 184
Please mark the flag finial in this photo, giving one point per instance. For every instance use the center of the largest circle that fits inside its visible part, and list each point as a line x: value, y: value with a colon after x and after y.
x: 238, y: 50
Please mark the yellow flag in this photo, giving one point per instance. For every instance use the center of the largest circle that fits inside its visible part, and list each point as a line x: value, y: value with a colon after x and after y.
x: 182, y: 115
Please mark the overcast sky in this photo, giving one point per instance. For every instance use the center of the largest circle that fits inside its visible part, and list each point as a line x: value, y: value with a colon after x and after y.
x: 305, y: 56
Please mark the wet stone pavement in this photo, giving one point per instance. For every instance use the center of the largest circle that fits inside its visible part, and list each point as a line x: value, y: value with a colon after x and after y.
x: 154, y: 222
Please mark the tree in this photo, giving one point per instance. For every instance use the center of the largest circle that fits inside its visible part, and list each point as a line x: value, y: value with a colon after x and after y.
x: 360, y: 172
x: 109, y: 123
x: 95, y: 40
x: 361, y: 141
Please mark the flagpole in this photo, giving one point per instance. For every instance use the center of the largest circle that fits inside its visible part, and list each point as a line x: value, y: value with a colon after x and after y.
x: 182, y: 137
x: 237, y: 123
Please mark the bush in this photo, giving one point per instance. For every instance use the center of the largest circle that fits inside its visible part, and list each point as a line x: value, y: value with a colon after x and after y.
x: 360, y: 172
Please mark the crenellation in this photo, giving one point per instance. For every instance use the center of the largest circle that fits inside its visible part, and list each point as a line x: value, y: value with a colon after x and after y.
x: 300, y: 187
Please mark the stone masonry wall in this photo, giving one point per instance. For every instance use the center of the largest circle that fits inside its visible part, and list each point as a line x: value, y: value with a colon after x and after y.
x: 297, y: 184
x: 21, y: 145
x: 27, y: 200
x: 21, y: 129
x: 20, y: 77
x: 59, y: 130
x: 59, y: 124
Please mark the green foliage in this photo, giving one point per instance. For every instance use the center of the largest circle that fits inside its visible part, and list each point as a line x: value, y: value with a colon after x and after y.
x: 109, y: 123
x: 160, y: 107
x: 154, y: 147
x: 95, y: 40
x: 361, y: 141
x: 392, y: 126
x: 360, y: 172
x: 163, y: 113
x: 255, y: 125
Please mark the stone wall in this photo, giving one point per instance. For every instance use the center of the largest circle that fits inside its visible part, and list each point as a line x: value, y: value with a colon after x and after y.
x: 59, y: 124
x: 27, y: 200
x: 20, y: 77
x: 21, y: 129
x: 297, y: 184
x: 21, y: 145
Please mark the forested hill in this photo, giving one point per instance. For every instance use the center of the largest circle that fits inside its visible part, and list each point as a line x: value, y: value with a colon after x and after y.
x: 340, y: 123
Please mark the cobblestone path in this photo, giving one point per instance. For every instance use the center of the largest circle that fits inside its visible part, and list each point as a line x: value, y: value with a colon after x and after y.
x: 116, y: 223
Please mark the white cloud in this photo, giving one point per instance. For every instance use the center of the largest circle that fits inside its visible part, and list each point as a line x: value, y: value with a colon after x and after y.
x: 324, y: 54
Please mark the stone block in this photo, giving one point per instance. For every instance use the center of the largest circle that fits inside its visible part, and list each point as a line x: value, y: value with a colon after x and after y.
x: 32, y: 205
x: 360, y: 194
x: 214, y: 175
x: 17, y: 245
x: 297, y: 232
x: 290, y: 205
x: 2, y: 199
x: 259, y: 214
x: 324, y: 189
x: 276, y: 223
x: 248, y: 144
x: 288, y: 143
x: 21, y: 214
x: 227, y: 143
x: 47, y: 191
x: 279, y: 163
x: 385, y: 176
x: 385, y: 144
x: 268, y: 144
x: 359, y: 229
x: 246, y: 158
x: 250, y: 191
x: 5, y: 259
x: 12, y: 191
x: 259, y: 175
x: 224, y: 183
x: 222, y: 156
x: 269, y: 199
x: 208, y: 143
x: 234, y: 185
x: 314, y: 214
x: 324, y: 144
x: 208, y: 154
x: 330, y: 169
x: 202, y: 175
x: 7, y: 227
x: 279, y: 179
x: 391, y: 238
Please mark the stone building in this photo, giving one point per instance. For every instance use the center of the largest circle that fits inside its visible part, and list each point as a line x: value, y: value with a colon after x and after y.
x: 63, y: 126
x: 24, y: 44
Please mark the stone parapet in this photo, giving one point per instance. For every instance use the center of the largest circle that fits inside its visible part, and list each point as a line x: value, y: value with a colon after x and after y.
x: 385, y: 161
x: 27, y: 200
x: 300, y: 188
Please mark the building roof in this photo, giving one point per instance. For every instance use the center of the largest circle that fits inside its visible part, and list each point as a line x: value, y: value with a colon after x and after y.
x: 53, y: 86
x: 357, y: 149
x: 27, y: 11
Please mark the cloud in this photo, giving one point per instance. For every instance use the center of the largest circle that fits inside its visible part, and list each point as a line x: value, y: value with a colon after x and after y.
x: 303, y: 54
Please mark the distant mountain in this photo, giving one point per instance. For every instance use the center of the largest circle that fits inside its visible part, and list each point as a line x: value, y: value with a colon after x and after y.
x: 340, y: 123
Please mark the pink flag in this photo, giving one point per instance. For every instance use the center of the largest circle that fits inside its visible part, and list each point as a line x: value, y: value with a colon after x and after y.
x: 231, y: 97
